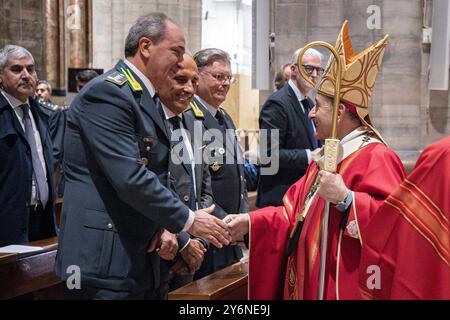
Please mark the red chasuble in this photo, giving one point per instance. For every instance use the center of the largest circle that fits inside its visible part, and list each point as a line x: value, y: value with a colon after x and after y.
x: 372, y: 173
x: 408, y: 238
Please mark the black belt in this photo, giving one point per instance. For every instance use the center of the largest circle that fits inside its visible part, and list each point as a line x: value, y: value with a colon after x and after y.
x: 38, y: 207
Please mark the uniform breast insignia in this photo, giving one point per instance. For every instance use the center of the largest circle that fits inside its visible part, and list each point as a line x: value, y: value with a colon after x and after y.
x: 215, y: 166
x: 117, y: 78
x: 197, y: 112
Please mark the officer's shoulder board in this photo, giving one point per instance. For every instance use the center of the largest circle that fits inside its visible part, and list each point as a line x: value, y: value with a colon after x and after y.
x: 195, y: 108
x: 117, y: 78
x: 120, y: 78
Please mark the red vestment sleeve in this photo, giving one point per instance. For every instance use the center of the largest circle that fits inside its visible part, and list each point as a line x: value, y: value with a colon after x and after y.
x: 269, y: 233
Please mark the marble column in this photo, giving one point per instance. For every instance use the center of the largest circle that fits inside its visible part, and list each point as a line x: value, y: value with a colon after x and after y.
x: 52, y: 53
x: 76, y: 27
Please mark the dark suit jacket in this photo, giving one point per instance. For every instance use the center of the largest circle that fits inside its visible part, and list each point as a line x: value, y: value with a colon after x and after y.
x: 16, y: 171
x: 282, y: 111
x: 56, y: 125
x: 116, y: 155
x: 228, y: 186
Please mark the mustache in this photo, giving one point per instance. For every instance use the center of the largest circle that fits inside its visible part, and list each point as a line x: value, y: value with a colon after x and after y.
x: 25, y: 83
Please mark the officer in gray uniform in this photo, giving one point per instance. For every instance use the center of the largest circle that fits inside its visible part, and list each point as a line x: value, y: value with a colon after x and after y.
x: 224, y: 154
x: 116, y: 166
x: 189, y: 175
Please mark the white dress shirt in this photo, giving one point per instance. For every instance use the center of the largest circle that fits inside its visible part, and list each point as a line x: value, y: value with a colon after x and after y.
x: 169, y: 114
x: 300, y: 97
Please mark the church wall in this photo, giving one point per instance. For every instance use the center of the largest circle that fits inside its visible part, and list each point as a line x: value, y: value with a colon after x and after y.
x: 113, y: 18
x: 408, y: 115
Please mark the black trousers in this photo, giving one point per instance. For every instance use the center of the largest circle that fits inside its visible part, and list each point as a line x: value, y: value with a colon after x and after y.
x: 39, y: 224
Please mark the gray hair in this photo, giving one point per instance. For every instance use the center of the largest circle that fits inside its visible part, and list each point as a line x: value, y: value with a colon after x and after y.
x: 152, y: 26
x: 49, y: 86
x: 207, y: 57
x: 309, y: 52
x: 13, y: 52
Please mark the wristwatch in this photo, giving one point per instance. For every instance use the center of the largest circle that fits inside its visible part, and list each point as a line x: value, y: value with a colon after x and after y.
x: 344, y: 204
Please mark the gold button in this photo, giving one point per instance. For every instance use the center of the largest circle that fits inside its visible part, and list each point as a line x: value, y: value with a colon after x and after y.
x: 110, y: 226
x: 215, y: 166
x: 144, y: 161
x: 186, y: 198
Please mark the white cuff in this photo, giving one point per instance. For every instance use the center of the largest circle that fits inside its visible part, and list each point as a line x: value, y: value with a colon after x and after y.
x: 185, y: 246
x: 308, y: 154
x: 189, y: 221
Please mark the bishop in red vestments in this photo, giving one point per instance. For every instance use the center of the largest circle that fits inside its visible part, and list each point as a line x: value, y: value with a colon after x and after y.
x: 408, y: 240
x: 367, y: 173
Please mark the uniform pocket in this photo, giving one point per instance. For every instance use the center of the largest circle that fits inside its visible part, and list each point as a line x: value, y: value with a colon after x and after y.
x: 102, y: 252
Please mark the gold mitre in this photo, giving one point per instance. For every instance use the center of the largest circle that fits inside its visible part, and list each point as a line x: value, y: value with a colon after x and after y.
x: 359, y: 73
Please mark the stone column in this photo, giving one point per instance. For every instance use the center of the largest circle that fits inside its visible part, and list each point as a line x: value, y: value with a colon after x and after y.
x: 52, y: 47
x: 62, y: 44
x: 76, y: 26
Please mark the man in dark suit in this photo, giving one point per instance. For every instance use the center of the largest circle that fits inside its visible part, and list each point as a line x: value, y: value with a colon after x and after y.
x: 26, y: 166
x: 189, y: 175
x: 116, y: 153
x: 223, y: 151
x: 287, y: 111
x: 55, y: 118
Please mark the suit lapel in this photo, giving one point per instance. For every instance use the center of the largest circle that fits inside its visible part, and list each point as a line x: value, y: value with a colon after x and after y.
x: 209, y: 122
x: 231, y: 136
x: 298, y: 109
x: 189, y: 120
x: 15, y: 120
x: 147, y: 103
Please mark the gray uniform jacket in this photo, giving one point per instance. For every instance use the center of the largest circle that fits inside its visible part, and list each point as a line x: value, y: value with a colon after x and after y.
x: 116, y: 153
x: 228, y: 186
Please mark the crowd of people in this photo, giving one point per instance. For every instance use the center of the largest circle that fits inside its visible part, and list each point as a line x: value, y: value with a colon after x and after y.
x: 154, y: 182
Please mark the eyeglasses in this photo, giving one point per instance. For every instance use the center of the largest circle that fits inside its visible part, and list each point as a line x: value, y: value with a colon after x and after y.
x: 222, y: 77
x: 309, y: 69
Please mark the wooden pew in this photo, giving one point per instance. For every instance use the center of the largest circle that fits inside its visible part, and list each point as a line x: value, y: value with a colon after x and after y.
x: 31, y: 275
x: 229, y: 283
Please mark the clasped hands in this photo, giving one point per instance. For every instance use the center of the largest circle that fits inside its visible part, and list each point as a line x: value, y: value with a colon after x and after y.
x: 331, y: 188
x: 205, y: 226
x: 190, y: 258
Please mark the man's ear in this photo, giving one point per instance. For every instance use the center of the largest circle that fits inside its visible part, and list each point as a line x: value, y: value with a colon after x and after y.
x: 341, y: 109
x: 145, y: 47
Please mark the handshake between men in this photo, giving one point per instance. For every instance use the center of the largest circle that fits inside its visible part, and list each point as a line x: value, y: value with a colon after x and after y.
x: 331, y: 188
x: 205, y: 226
